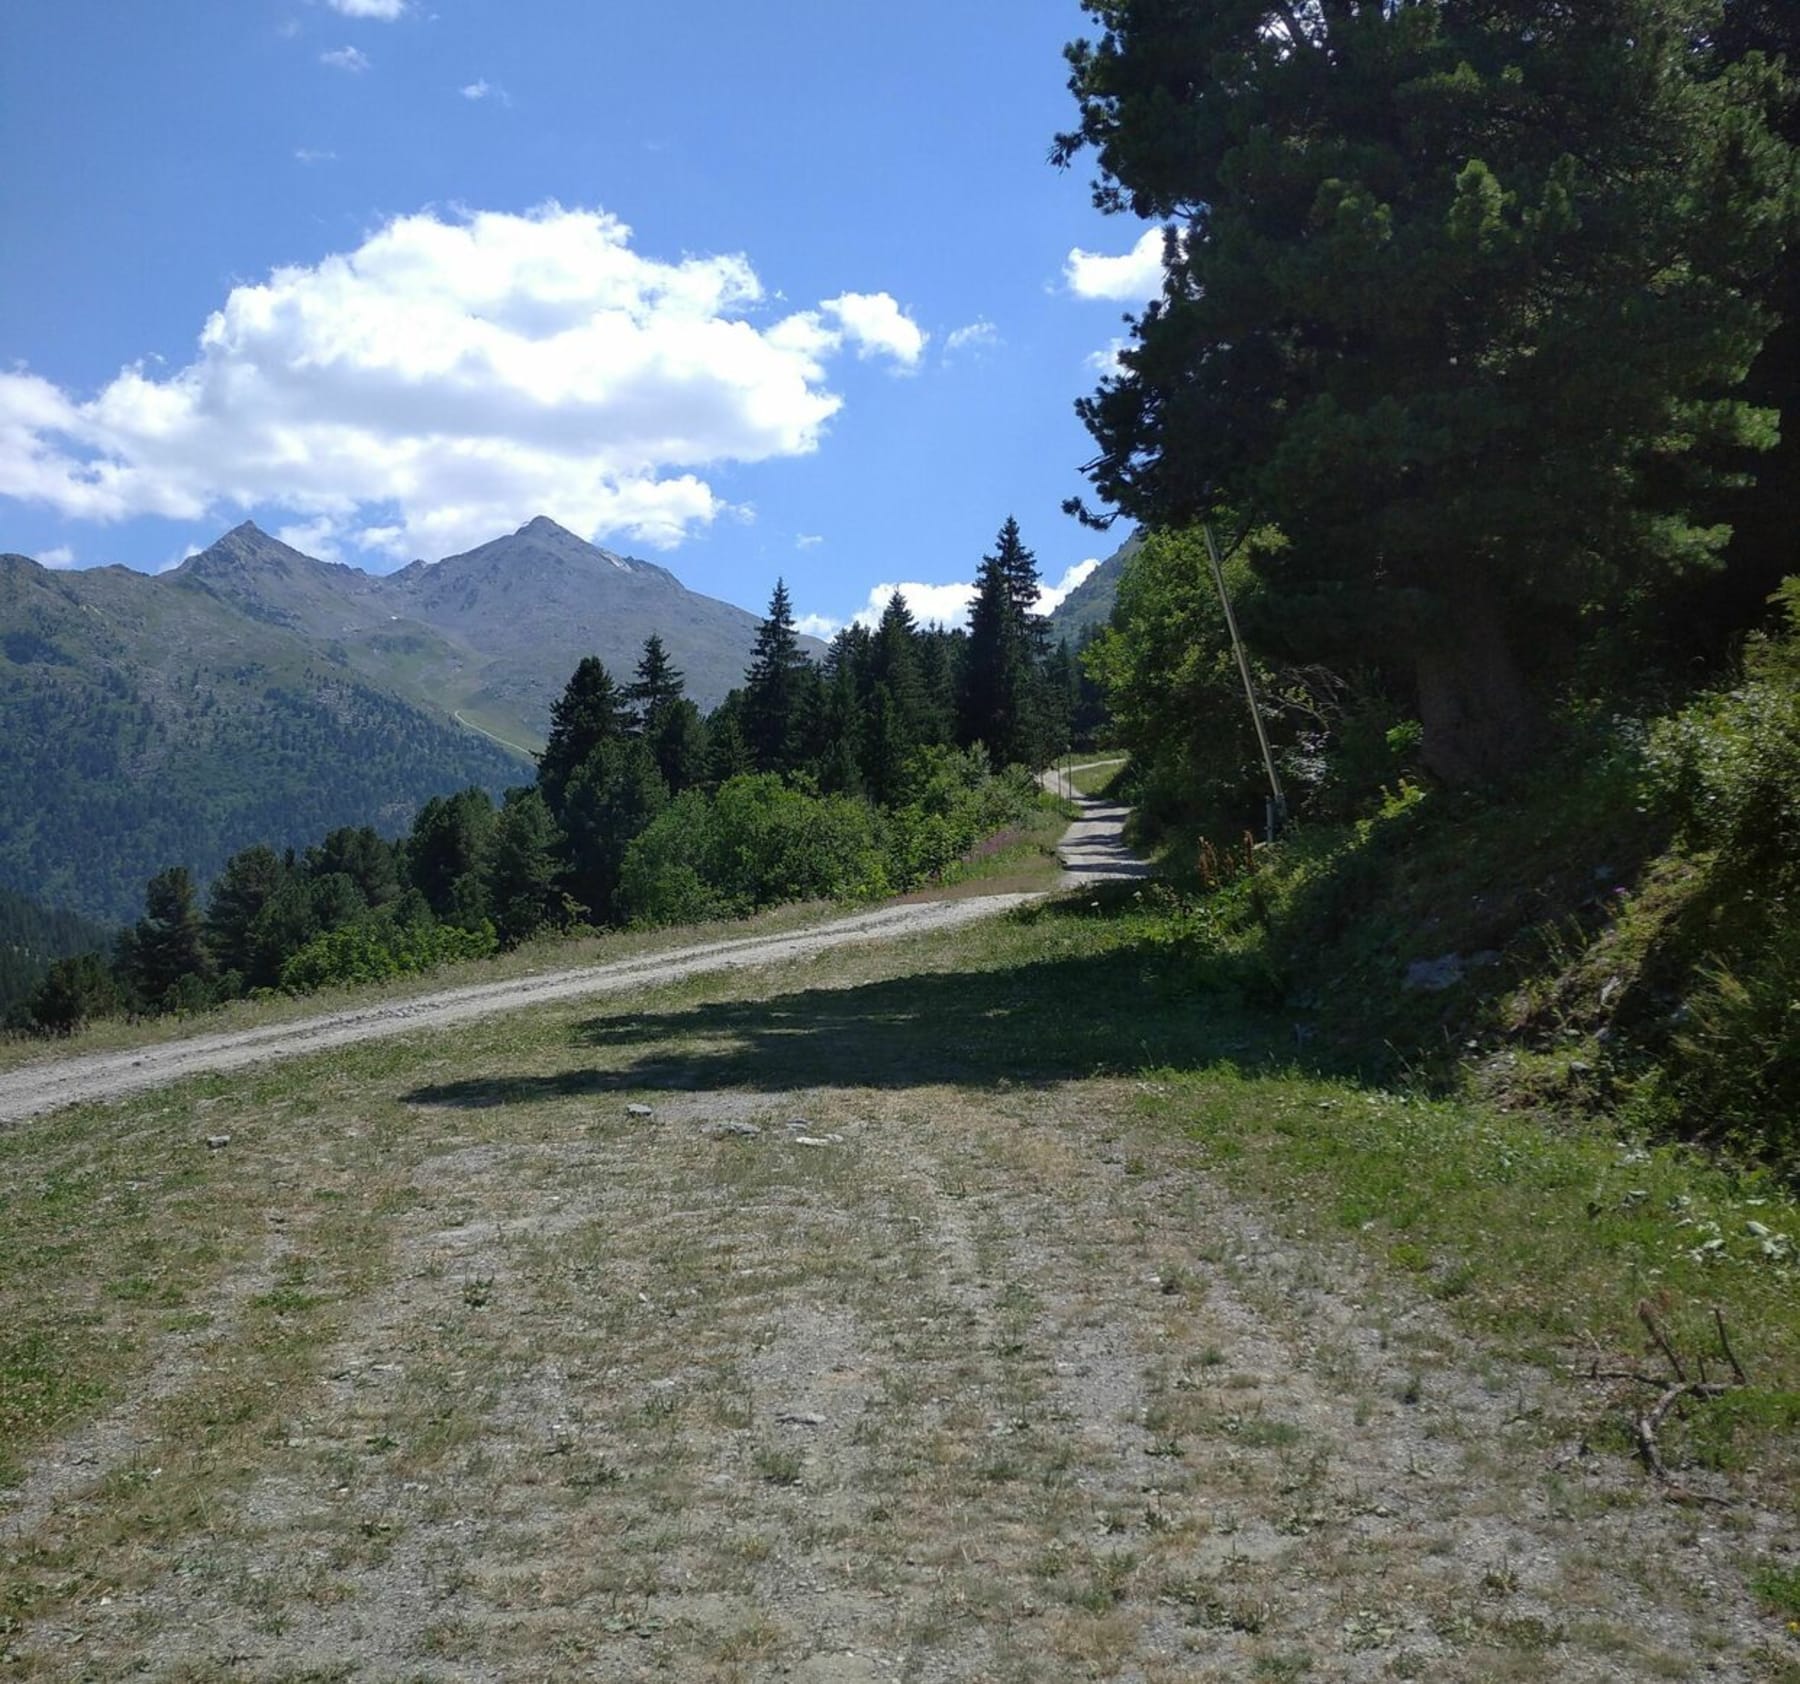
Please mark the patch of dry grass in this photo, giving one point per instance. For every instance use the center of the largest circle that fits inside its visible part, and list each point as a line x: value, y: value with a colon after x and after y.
x: 450, y: 1366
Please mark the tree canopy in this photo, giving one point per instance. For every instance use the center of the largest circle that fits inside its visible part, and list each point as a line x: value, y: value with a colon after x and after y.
x: 1457, y: 295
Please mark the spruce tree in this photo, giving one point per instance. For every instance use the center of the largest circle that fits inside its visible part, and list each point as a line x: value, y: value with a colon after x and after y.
x: 657, y: 687
x: 522, y: 869
x: 1002, y: 704
x: 840, y: 768
x: 895, y: 665
x: 362, y: 855
x: 727, y: 753
x: 777, y: 691
x: 589, y: 712
x: 447, y: 853
x: 237, y: 896
x: 609, y: 802
x: 168, y: 945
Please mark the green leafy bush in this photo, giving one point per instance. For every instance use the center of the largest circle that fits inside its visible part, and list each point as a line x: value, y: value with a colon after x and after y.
x: 1729, y: 768
x: 377, y: 948
x: 762, y: 841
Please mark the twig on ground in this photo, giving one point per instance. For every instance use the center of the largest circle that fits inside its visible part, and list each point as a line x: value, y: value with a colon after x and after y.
x: 1649, y: 1423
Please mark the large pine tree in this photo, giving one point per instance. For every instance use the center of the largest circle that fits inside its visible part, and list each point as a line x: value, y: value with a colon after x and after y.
x: 1451, y: 290
x: 168, y: 948
x: 656, y: 687
x: 1002, y: 702
x: 589, y: 712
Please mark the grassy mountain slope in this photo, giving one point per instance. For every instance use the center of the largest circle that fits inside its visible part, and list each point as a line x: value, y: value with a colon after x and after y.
x: 150, y: 721
x: 1089, y: 606
x: 258, y: 694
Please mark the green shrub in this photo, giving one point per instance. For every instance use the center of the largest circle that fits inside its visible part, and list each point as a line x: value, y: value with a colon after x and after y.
x: 663, y: 878
x: 1728, y: 767
x: 377, y: 948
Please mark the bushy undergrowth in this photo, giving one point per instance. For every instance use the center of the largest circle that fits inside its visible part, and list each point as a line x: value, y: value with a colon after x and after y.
x: 1619, y: 931
x: 760, y: 841
x: 1729, y: 768
x: 378, y: 948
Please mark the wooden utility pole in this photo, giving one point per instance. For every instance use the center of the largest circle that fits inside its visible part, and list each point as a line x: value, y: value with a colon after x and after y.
x: 1277, y: 810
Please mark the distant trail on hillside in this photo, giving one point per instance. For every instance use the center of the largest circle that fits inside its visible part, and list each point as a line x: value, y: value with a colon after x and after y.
x: 492, y: 737
x: 1092, y: 851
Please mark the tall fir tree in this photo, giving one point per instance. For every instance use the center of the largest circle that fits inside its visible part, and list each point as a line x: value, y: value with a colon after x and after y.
x: 668, y: 722
x: 1002, y: 703
x: 590, y: 711
x: 523, y: 866
x: 362, y: 855
x: 777, y: 690
x: 447, y: 853
x: 238, y: 894
x: 840, y: 769
x: 727, y: 753
x: 894, y: 663
x: 610, y: 801
x: 168, y: 946
x: 656, y: 687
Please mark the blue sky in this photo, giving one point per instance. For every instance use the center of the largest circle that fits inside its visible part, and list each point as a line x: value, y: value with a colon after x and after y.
x: 752, y: 290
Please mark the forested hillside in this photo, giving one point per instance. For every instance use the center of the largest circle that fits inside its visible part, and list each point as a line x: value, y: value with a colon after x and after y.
x: 146, y: 721
x: 869, y: 773
x: 32, y: 939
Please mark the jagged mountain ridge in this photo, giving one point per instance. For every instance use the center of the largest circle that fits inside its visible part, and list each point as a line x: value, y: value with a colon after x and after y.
x: 256, y: 693
x: 492, y: 633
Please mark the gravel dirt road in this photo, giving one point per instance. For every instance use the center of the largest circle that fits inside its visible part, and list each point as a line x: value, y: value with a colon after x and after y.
x: 34, y: 1088
x: 833, y: 1385
x: 1093, y: 850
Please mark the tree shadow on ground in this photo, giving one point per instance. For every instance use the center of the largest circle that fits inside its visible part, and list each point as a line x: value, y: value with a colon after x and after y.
x: 1055, y: 1019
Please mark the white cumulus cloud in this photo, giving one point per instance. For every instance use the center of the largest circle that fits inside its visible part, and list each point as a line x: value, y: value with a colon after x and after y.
x: 346, y: 58
x: 60, y: 556
x: 447, y: 379
x: 383, y: 11
x: 484, y: 89
x: 977, y: 336
x: 878, y: 327
x: 1134, y: 278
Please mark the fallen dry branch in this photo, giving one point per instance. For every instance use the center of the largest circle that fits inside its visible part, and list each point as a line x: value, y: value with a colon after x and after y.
x: 1648, y: 1424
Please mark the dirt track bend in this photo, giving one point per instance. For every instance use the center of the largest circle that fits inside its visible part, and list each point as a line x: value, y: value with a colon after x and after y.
x: 34, y: 1088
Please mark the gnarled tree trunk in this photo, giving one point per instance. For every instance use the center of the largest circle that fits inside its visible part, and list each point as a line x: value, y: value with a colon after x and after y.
x: 1481, y: 722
